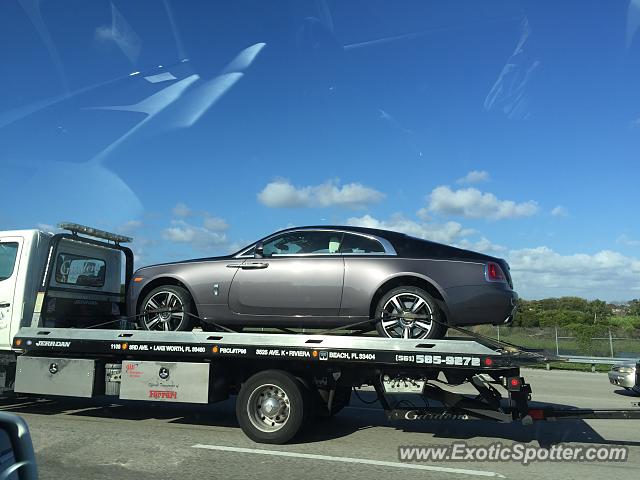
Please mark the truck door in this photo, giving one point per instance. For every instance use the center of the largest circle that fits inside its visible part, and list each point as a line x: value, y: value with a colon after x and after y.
x: 10, y: 250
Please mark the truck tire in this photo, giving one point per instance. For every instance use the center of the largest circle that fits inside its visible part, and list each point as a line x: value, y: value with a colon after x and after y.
x: 166, y: 296
x: 405, y: 300
x: 272, y: 407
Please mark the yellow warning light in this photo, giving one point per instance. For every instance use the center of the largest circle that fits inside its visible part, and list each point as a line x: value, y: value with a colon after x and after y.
x: 125, y: 346
x: 314, y: 353
x: 215, y: 349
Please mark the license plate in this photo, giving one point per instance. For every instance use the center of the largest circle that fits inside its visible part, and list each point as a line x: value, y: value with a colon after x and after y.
x: 403, y: 386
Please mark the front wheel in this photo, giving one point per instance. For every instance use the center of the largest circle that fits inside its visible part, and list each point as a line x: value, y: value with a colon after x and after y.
x: 169, y: 309
x: 409, y: 312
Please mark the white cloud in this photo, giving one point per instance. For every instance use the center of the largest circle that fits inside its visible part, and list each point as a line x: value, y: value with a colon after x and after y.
x: 141, y: 247
x: 215, y: 224
x: 45, y: 227
x: 210, y: 234
x: 559, y: 211
x: 474, y: 176
x: 472, y: 203
x: 483, y: 245
x: 624, y: 239
x: 442, y: 233
x: 130, y: 226
x: 282, y: 194
x: 198, y: 237
x: 423, y: 214
x: 541, y: 272
x: 181, y: 210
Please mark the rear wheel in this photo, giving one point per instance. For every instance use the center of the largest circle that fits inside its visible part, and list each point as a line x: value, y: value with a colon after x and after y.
x: 409, y: 312
x: 272, y: 407
x: 170, y: 309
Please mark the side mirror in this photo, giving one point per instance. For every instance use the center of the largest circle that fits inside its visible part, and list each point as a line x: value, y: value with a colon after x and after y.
x: 258, y: 251
x: 18, y: 459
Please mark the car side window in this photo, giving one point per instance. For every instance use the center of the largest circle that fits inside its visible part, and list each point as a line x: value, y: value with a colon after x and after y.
x: 359, y: 244
x: 304, y: 242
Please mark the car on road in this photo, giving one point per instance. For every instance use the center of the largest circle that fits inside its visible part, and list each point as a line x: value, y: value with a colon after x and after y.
x: 624, y: 375
x: 325, y: 277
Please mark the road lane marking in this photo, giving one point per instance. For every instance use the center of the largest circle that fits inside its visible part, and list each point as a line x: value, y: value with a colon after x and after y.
x: 329, y: 458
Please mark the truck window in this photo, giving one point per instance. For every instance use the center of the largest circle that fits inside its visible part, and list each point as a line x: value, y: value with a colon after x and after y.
x: 8, y: 254
x: 82, y: 271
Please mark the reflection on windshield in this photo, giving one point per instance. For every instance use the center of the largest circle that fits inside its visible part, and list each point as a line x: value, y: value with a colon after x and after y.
x: 452, y: 121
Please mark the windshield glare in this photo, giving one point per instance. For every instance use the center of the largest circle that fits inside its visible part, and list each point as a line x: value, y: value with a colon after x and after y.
x: 507, y: 128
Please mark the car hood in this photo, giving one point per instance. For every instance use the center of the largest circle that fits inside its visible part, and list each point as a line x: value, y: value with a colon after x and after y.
x: 182, y: 262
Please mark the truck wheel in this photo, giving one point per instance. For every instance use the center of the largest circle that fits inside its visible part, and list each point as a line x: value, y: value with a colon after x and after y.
x: 407, y: 312
x: 272, y: 407
x: 178, y: 303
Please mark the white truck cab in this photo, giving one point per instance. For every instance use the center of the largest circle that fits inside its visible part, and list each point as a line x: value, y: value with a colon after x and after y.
x: 66, y: 279
x: 22, y: 258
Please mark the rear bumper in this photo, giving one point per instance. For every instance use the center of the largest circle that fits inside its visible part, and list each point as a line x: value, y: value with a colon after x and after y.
x: 481, y: 304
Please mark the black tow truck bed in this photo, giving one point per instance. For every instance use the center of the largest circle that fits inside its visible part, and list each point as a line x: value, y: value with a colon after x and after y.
x: 309, y: 349
x: 326, y: 367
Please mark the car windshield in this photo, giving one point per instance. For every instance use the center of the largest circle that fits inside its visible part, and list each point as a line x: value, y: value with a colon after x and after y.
x: 510, y: 128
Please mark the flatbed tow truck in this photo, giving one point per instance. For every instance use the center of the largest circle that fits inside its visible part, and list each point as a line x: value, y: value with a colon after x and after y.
x: 281, y: 380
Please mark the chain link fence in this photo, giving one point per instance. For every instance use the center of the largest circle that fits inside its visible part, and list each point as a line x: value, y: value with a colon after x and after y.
x: 606, y: 342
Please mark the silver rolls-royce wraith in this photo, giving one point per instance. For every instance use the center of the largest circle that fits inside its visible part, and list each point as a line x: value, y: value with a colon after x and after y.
x: 329, y: 276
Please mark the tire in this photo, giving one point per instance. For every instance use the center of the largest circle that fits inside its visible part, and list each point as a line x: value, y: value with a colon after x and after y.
x: 403, y: 300
x: 178, y: 298
x: 289, y: 411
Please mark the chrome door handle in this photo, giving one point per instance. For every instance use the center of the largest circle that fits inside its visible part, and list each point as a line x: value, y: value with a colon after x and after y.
x: 5, y: 305
x: 248, y: 266
x: 254, y: 266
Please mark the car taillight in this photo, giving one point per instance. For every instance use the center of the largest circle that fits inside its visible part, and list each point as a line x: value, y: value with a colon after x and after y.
x: 493, y: 273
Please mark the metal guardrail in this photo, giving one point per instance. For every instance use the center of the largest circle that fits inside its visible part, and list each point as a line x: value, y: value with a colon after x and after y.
x: 597, y: 360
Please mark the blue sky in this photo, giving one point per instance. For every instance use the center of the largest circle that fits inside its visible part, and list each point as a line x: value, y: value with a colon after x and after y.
x: 507, y: 127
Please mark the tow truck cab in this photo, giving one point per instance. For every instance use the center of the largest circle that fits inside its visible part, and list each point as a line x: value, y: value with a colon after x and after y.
x: 60, y: 280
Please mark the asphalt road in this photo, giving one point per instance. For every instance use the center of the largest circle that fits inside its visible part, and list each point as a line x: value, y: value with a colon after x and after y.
x: 93, y: 440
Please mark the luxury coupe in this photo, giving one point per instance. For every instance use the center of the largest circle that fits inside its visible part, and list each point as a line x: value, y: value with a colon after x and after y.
x: 325, y: 277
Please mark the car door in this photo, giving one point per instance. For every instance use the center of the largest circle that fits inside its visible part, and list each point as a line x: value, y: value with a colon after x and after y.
x: 366, y: 265
x: 10, y: 250
x: 300, y: 274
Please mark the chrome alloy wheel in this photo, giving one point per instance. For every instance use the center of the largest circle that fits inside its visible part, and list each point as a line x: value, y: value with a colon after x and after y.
x: 407, y: 315
x: 164, y: 321
x: 268, y: 408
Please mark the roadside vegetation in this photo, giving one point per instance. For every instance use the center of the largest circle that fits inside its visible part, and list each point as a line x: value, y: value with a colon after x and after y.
x: 574, y: 326
x: 577, y: 314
